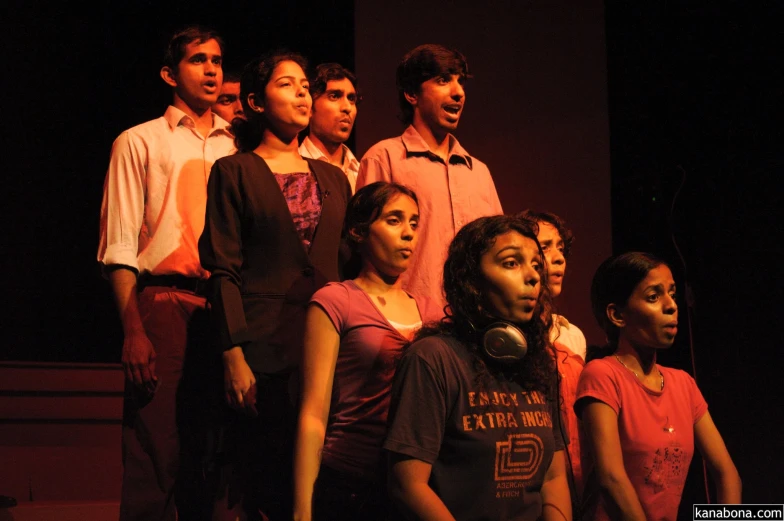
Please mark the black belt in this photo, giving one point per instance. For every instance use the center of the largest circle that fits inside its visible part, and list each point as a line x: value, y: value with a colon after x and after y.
x: 192, y: 284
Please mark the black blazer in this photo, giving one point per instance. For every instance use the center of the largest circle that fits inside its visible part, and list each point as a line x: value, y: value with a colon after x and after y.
x: 261, y: 276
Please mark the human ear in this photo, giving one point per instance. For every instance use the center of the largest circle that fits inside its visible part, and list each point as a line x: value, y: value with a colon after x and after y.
x: 356, y: 236
x: 615, y: 315
x: 169, y: 76
x: 252, y: 103
x: 411, y: 98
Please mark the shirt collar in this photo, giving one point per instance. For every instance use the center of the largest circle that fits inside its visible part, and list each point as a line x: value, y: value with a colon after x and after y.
x: 414, y: 144
x: 312, y: 150
x: 176, y: 117
x: 219, y: 122
x: 349, y: 159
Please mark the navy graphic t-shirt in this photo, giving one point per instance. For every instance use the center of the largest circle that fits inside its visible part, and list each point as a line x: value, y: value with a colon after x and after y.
x: 490, y: 443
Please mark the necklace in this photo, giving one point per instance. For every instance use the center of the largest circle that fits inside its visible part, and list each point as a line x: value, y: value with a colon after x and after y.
x: 661, y: 376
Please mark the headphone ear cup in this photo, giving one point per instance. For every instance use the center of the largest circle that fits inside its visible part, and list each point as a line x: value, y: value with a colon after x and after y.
x: 504, y: 342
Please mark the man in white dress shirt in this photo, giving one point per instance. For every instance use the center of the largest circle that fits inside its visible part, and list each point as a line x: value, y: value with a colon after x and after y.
x: 152, y: 215
x: 335, y: 98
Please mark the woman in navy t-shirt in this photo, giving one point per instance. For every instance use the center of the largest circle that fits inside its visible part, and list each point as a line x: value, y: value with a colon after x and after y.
x: 474, y: 426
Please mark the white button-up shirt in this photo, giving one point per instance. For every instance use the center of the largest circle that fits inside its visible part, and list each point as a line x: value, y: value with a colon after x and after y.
x: 350, y: 164
x: 155, y: 194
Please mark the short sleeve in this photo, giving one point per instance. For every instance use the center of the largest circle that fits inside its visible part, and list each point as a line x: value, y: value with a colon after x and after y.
x: 371, y: 169
x: 334, y: 300
x: 698, y: 403
x: 597, y: 381
x: 580, y: 345
x: 418, y: 410
x: 429, y: 310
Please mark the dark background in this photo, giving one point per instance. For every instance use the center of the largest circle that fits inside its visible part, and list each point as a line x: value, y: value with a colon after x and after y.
x: 693, y: 98
x: 536, y: 108
x: 81, y: 76
x: 696, y: 145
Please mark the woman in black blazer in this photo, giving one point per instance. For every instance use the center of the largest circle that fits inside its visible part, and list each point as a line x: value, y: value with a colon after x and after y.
x: 271, y: 239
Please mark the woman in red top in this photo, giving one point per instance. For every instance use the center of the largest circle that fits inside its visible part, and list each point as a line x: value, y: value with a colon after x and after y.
x: 641, y: 419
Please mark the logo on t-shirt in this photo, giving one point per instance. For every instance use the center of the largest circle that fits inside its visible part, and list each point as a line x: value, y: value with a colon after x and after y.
x: 517, y: 423
x: 519, y: 457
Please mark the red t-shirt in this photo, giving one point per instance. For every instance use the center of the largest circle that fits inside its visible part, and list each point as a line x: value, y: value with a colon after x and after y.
x: 570, y: 366
x: 656, y: 429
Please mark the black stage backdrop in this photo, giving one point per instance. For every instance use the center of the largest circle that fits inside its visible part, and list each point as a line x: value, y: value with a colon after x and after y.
x: 694, y: 100
x: 696, y: 146
x: 78, y: 77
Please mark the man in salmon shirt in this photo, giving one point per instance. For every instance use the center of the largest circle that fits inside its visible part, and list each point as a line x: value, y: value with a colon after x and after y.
x: 453, y: 187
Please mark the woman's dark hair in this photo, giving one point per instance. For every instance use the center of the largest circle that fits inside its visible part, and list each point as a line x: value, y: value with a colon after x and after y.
x: 363, y: 209
x: 559, y: 224
x: 255, y: 77
x: 613, y: 283
x: 467, y: 306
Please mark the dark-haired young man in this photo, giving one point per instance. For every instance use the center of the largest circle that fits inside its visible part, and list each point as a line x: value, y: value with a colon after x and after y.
x: 229, y: 104
x: 334, y: 93
x: 152, y: 215
x: 453, y: 187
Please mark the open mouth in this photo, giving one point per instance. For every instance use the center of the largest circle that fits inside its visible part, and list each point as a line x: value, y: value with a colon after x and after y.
x: 452, y: 109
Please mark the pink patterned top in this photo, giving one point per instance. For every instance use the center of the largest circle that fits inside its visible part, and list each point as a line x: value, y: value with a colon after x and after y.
x: 304, y: 201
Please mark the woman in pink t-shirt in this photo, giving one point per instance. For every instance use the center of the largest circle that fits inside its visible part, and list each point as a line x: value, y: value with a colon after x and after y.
x: 642, y: 420
x: 355, y: 333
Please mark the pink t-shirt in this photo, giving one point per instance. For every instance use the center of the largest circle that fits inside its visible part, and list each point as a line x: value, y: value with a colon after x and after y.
x: 370, y: 348
x: 451, y: 194
x: 656, y: 429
